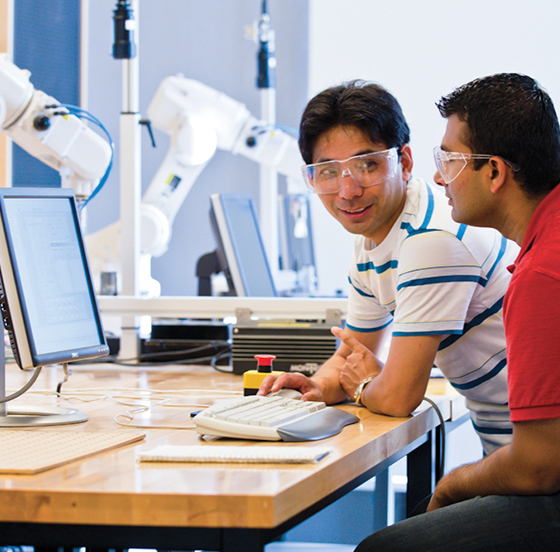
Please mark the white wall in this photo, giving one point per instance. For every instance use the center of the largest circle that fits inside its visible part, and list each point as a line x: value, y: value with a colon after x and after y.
x: 421, y: 50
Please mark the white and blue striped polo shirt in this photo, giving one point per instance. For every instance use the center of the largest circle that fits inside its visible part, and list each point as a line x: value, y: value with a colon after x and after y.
x: 431, y: 275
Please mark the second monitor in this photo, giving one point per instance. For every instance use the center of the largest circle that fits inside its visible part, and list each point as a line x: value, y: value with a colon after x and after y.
x: 240, y: 253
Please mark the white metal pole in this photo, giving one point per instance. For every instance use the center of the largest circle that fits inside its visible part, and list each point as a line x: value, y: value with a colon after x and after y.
x: 268, y: 191
x: 130, y: 195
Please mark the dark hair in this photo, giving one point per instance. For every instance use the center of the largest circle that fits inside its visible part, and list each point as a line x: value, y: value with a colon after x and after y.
x: 367, y: 106
x: 511, y: 116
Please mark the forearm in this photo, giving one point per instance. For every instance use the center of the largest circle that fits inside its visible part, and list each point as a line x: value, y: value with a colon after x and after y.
x: 482, y: 478
x: 503, y: 472
x: 401, y: 384
x: 385, y: 395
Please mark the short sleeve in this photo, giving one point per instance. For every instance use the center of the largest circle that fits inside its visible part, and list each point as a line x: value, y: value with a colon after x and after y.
x: 365, y: 312
x: 532, y: 328
x: 437, y: 278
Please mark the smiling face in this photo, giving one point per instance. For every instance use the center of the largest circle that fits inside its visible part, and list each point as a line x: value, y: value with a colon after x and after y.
x: 370, y: 211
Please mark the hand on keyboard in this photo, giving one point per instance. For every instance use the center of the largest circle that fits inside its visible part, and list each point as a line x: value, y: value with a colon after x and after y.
x: 272, y: 418
x: 287, y: 393
x: 291, y: 380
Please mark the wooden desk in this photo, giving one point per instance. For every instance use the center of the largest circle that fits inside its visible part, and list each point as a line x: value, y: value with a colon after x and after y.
x: 112, y: 501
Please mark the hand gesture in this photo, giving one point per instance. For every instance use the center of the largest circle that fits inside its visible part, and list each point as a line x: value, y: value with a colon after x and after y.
x: 360, y: 362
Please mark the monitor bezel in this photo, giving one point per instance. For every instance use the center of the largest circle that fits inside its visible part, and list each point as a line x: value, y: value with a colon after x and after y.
x: 227, y: 254
x: 14, y: 293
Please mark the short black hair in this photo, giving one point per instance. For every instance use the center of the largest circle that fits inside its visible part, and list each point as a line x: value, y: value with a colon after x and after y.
x: 511, y: 116
x: 365, y: 105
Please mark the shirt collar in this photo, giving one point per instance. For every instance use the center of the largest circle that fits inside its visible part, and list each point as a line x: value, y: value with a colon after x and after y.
x: 546, y: 208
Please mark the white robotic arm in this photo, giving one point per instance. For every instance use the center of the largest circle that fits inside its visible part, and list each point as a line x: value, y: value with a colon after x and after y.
x: 37, y: 123
x: 201, y: 120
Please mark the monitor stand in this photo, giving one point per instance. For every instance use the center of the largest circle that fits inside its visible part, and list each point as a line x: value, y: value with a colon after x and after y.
x: 30, y: 416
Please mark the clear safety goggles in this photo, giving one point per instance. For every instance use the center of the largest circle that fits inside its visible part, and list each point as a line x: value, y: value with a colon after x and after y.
x: 450, y: 164
x: 366, y: 170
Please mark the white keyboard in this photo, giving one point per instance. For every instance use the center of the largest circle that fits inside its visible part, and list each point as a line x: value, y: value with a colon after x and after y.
x: 272, y: 418
x: 241, y: 454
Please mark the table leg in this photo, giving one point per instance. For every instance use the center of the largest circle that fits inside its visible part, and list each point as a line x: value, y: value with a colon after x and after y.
x: 236, y: 540
x: 421, y: 472
x: 381, y: 500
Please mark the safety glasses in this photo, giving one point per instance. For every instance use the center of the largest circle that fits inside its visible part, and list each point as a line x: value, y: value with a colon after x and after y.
x: 450, y: 164
x: 369, y: 169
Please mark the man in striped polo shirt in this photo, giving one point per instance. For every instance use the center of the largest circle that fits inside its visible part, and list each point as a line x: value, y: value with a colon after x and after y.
x: 436, y: 284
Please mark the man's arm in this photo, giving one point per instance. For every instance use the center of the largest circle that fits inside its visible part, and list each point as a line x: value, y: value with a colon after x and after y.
x: 328, y: 377
x: 325, y: 384
x: 400, y: 386
x: 530, y: 465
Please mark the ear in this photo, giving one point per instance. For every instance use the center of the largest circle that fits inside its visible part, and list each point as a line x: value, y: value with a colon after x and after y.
x: 498, y: 174
x: 406, y: 162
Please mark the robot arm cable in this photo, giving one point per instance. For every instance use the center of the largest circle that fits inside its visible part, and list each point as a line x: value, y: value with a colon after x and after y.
x: 83, y: 114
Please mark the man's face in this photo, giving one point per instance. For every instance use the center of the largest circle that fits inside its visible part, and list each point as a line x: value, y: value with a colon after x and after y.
x: 369, y: 211
x: 468, y: 197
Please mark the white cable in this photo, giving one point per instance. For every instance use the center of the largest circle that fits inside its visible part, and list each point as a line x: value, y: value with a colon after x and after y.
x: 442, y: 425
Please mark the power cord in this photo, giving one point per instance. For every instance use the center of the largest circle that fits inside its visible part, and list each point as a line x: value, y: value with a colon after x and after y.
x: 138, y: 409
x: 442, y: 433
x: 21, y: 391
x: 142, y: 358
x: 219, y: 356
x: 132, y: 398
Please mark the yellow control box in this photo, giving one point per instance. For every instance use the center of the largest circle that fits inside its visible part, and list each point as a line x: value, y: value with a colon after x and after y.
x: 252, y: 379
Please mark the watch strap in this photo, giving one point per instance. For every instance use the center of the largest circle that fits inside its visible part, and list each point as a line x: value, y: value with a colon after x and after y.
x: 360, y: 389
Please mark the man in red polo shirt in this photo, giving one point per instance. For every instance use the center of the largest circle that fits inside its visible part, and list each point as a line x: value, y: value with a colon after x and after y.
x: 499, y: 163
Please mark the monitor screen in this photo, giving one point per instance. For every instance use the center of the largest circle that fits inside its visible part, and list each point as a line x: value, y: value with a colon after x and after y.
x: 241, y: 252
x: 48, y: 301
x: 296, y: 232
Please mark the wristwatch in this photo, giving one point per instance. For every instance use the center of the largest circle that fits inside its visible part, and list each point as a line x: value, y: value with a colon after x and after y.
x: 360, y: 389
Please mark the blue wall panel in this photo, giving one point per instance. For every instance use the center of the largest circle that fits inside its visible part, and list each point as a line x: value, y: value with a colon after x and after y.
x: 46, y: 42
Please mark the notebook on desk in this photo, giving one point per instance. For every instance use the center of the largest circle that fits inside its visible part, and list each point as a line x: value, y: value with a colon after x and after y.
x: 203, y: 453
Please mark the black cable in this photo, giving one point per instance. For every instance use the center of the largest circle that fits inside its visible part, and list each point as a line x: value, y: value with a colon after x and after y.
x: 211, y: 345
x: 198, y: 360
x: 215, y: 360
x: 113, y: 359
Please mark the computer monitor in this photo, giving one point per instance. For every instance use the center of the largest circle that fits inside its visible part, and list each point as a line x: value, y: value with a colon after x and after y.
x: 297, y: 253
x: 241, y: 253
x: 296, y: 232
x: 47, y: 297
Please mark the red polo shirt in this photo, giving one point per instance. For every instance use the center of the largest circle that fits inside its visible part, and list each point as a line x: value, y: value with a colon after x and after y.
x: 532, y: 318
